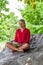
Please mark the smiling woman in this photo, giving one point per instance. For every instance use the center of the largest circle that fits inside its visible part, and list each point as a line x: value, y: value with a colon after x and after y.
x: 22, y: 38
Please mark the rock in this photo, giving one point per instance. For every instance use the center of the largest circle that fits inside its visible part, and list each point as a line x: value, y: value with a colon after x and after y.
x: 29, y: 61
x: 34, y: 56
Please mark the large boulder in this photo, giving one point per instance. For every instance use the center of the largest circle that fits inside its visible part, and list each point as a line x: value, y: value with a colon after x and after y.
x: 33, y: 56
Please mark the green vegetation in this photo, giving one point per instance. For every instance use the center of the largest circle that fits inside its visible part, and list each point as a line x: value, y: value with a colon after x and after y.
x: 34, y: 17
x: 32, y: 14
x: 7, y: 22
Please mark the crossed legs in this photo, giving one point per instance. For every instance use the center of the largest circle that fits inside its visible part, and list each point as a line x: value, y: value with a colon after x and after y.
x: 21, y: 48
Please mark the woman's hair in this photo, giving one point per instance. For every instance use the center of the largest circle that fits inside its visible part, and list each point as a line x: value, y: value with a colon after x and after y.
x: 22, y: 20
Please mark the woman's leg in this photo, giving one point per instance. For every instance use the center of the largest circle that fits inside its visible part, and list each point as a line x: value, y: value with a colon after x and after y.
x: 12, y: 47
x: 24, y: 47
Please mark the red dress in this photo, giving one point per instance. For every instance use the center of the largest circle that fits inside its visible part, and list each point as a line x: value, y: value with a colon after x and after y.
x: 22, y: 37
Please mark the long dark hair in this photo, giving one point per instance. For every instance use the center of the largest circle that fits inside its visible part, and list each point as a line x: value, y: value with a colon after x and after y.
x: 22, y: 20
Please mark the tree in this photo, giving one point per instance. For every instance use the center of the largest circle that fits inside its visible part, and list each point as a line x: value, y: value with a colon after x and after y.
x: 31, y: 2
x: 3, y: 5
x: 7, y: 22
x: 33, y: 17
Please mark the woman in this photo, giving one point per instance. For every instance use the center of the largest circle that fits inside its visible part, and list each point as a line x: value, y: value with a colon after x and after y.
x: 22, y: 38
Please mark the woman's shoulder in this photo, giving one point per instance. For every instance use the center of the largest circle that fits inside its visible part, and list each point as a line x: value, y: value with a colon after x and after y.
x: 27, y: 29
x: 17, y: 30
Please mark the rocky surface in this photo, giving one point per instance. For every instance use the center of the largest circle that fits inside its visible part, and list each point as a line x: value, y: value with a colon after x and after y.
x: 34, y: 56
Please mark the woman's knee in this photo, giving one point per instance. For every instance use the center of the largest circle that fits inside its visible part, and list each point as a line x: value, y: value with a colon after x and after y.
x: 7, y: 44
x: 26, y: 45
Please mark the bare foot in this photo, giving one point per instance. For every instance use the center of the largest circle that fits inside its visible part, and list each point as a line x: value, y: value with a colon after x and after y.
x: 20, y: 50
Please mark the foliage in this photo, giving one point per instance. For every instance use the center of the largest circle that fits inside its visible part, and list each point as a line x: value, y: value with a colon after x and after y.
x: 7, y: 22
x: 34, y: 17
x: 7, y: 27
x: 3, y: 5
x: 31, y: 2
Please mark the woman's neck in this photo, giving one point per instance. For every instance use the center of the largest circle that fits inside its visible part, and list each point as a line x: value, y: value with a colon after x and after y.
x: 22, y: 29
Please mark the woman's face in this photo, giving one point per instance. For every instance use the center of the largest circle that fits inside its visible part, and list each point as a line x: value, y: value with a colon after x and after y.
x: 21, y: 24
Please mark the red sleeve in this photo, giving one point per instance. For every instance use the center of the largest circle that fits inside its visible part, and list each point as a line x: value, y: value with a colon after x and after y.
x: 15, y: 39
x: 28, y: 37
